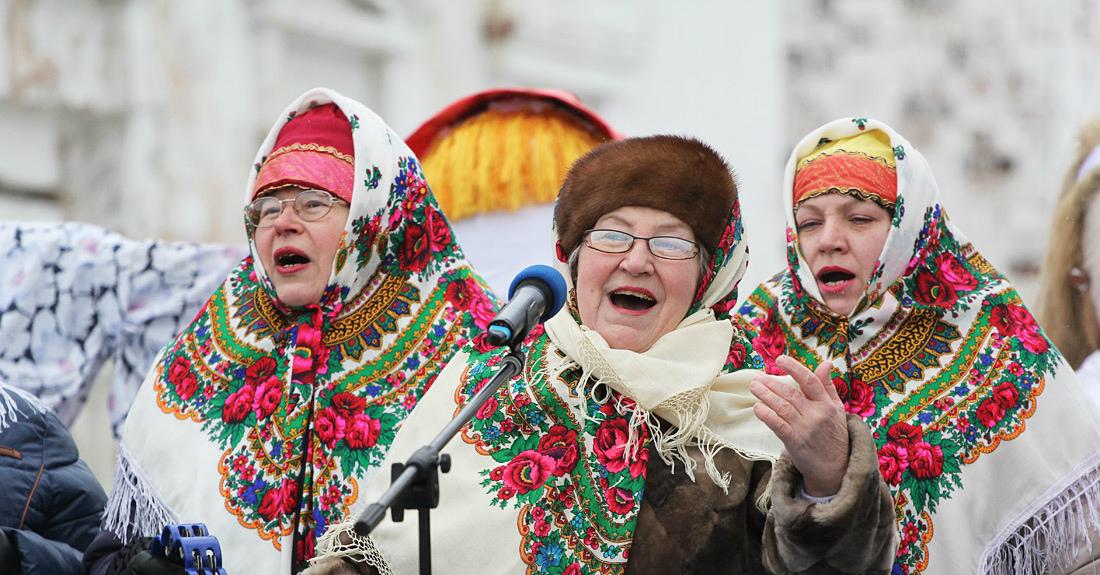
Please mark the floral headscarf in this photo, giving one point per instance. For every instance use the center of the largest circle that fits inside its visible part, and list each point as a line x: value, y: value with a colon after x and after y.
x: 552, y: 469
x: 261, y: 420
x: 979, y: 423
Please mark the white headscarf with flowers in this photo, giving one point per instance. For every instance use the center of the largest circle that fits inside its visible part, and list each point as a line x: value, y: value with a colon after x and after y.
x: 263, y: 421
x: 980, y: 425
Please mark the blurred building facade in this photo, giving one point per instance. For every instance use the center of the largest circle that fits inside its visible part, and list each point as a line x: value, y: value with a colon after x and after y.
x: 992, y: 93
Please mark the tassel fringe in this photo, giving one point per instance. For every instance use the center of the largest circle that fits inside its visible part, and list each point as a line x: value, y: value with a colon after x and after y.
x: 688, y: 413
x: 1054, y: 531
x: 9, y: 407
x: 134, y: 509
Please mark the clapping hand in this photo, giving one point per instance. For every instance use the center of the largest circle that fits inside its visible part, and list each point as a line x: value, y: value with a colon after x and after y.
x: 809, y: 420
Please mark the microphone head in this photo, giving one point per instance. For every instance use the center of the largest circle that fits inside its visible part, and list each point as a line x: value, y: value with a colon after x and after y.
x: 549, y: 280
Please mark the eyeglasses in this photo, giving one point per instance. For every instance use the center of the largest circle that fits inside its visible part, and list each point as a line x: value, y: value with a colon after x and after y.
x: 310, y: 205
x: 664, y: 247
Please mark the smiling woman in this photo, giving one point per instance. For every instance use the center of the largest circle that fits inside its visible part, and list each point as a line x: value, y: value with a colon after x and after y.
x: 628, y: 293
x: 631, y: 442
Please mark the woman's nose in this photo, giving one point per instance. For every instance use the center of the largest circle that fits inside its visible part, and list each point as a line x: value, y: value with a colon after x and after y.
x: 287, y: 219
x: 637, y: 260
x: 832, y: 236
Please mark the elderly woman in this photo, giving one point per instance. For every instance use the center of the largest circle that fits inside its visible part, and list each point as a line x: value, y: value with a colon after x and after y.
x: 989, y: 447
x: 1069, y: 309
x: 631, y: 443
x: 265, y: 416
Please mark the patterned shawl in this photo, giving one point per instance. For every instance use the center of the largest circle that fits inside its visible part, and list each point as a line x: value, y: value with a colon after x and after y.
x: 978, y: 420
x: 262, y: 421
x: 550, y: 474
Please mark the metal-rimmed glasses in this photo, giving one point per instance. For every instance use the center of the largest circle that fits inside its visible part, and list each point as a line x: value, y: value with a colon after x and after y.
x: 618, y: 242
x: 310, y: 205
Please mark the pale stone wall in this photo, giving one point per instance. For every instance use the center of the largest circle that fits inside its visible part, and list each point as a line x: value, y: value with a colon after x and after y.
x: 992, y: 93
x: 144, y: 115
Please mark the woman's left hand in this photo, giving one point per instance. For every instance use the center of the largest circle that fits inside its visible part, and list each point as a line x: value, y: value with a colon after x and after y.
x: 809, y: 420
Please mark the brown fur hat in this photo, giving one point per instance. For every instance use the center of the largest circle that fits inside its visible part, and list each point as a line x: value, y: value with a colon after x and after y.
x: 679, y: 175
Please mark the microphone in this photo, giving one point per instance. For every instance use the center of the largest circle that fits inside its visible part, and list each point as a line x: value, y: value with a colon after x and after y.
x: 536, y: 294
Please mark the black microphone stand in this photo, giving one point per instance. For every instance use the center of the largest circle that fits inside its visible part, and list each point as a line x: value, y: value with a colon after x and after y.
x: 415, y: 483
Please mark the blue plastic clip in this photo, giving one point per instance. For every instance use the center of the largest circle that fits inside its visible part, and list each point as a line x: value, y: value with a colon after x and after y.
x: 191, y: 545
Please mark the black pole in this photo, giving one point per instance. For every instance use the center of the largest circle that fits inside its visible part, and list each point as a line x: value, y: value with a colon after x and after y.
x: 416, y: 482
x: 425, y: 542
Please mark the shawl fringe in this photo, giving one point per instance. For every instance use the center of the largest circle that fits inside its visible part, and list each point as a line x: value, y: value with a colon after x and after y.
x: 341, y: 541
x: 8, y: 410
x: 1053, y: 530
x: 134, y: 509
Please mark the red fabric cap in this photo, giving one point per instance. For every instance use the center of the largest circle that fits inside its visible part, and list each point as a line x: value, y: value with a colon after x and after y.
x: 313, y: 150
x: 846, y: 172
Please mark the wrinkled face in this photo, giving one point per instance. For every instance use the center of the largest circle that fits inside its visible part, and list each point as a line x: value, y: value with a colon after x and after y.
x: 298, y: 255
x: 632, y: 299
x: 841, y: 237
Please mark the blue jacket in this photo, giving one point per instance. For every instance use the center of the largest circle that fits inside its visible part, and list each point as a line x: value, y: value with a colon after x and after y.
x: 50, y: 503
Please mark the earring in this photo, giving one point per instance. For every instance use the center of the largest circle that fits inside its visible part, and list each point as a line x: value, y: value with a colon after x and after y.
x: 1080, y: 279
x: 571, y: 302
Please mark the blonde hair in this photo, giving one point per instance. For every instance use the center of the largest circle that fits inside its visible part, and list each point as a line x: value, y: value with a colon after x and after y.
x: 506, y: 158
x: 1065, y: 312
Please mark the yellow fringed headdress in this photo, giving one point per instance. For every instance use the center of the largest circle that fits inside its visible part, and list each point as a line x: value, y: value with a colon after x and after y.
x: 504, y: 149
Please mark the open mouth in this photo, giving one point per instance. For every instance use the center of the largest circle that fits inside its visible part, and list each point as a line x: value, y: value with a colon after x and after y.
x: 834, y: 277
x: 632, y: 299
x: 288, y: 259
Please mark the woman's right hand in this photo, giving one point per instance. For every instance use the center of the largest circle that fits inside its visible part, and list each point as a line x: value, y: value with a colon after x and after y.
x: 810, y: 421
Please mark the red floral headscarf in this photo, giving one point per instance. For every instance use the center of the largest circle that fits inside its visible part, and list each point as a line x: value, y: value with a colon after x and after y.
x: 274, y: 416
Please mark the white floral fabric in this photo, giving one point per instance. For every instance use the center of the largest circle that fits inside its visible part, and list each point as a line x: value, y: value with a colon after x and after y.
x: 73, y: 295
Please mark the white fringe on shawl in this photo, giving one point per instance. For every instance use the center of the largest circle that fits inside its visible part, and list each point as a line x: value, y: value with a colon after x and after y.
x: 134, y: 509
x: 1059, y: 520
x: 676, y: 380
x: 691, y: 408
x: 360, y: 549
x: 9, y: 409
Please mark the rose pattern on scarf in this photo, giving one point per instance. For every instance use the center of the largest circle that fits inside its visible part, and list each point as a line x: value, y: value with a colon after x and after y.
x: 769, y: 342
x: 993, y: 380
x: 416, y: 223
x: 292, y: 399
x: 576, y: 485
x: 248, y: 409
x: 563, y: 463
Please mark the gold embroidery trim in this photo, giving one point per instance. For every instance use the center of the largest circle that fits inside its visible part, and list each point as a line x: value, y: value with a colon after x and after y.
x: 858, y: 193
x: 981, y: 264
x: 347, y: 327
x: 918, y: 329
x: 311, y: 148
x: 351, y: 326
